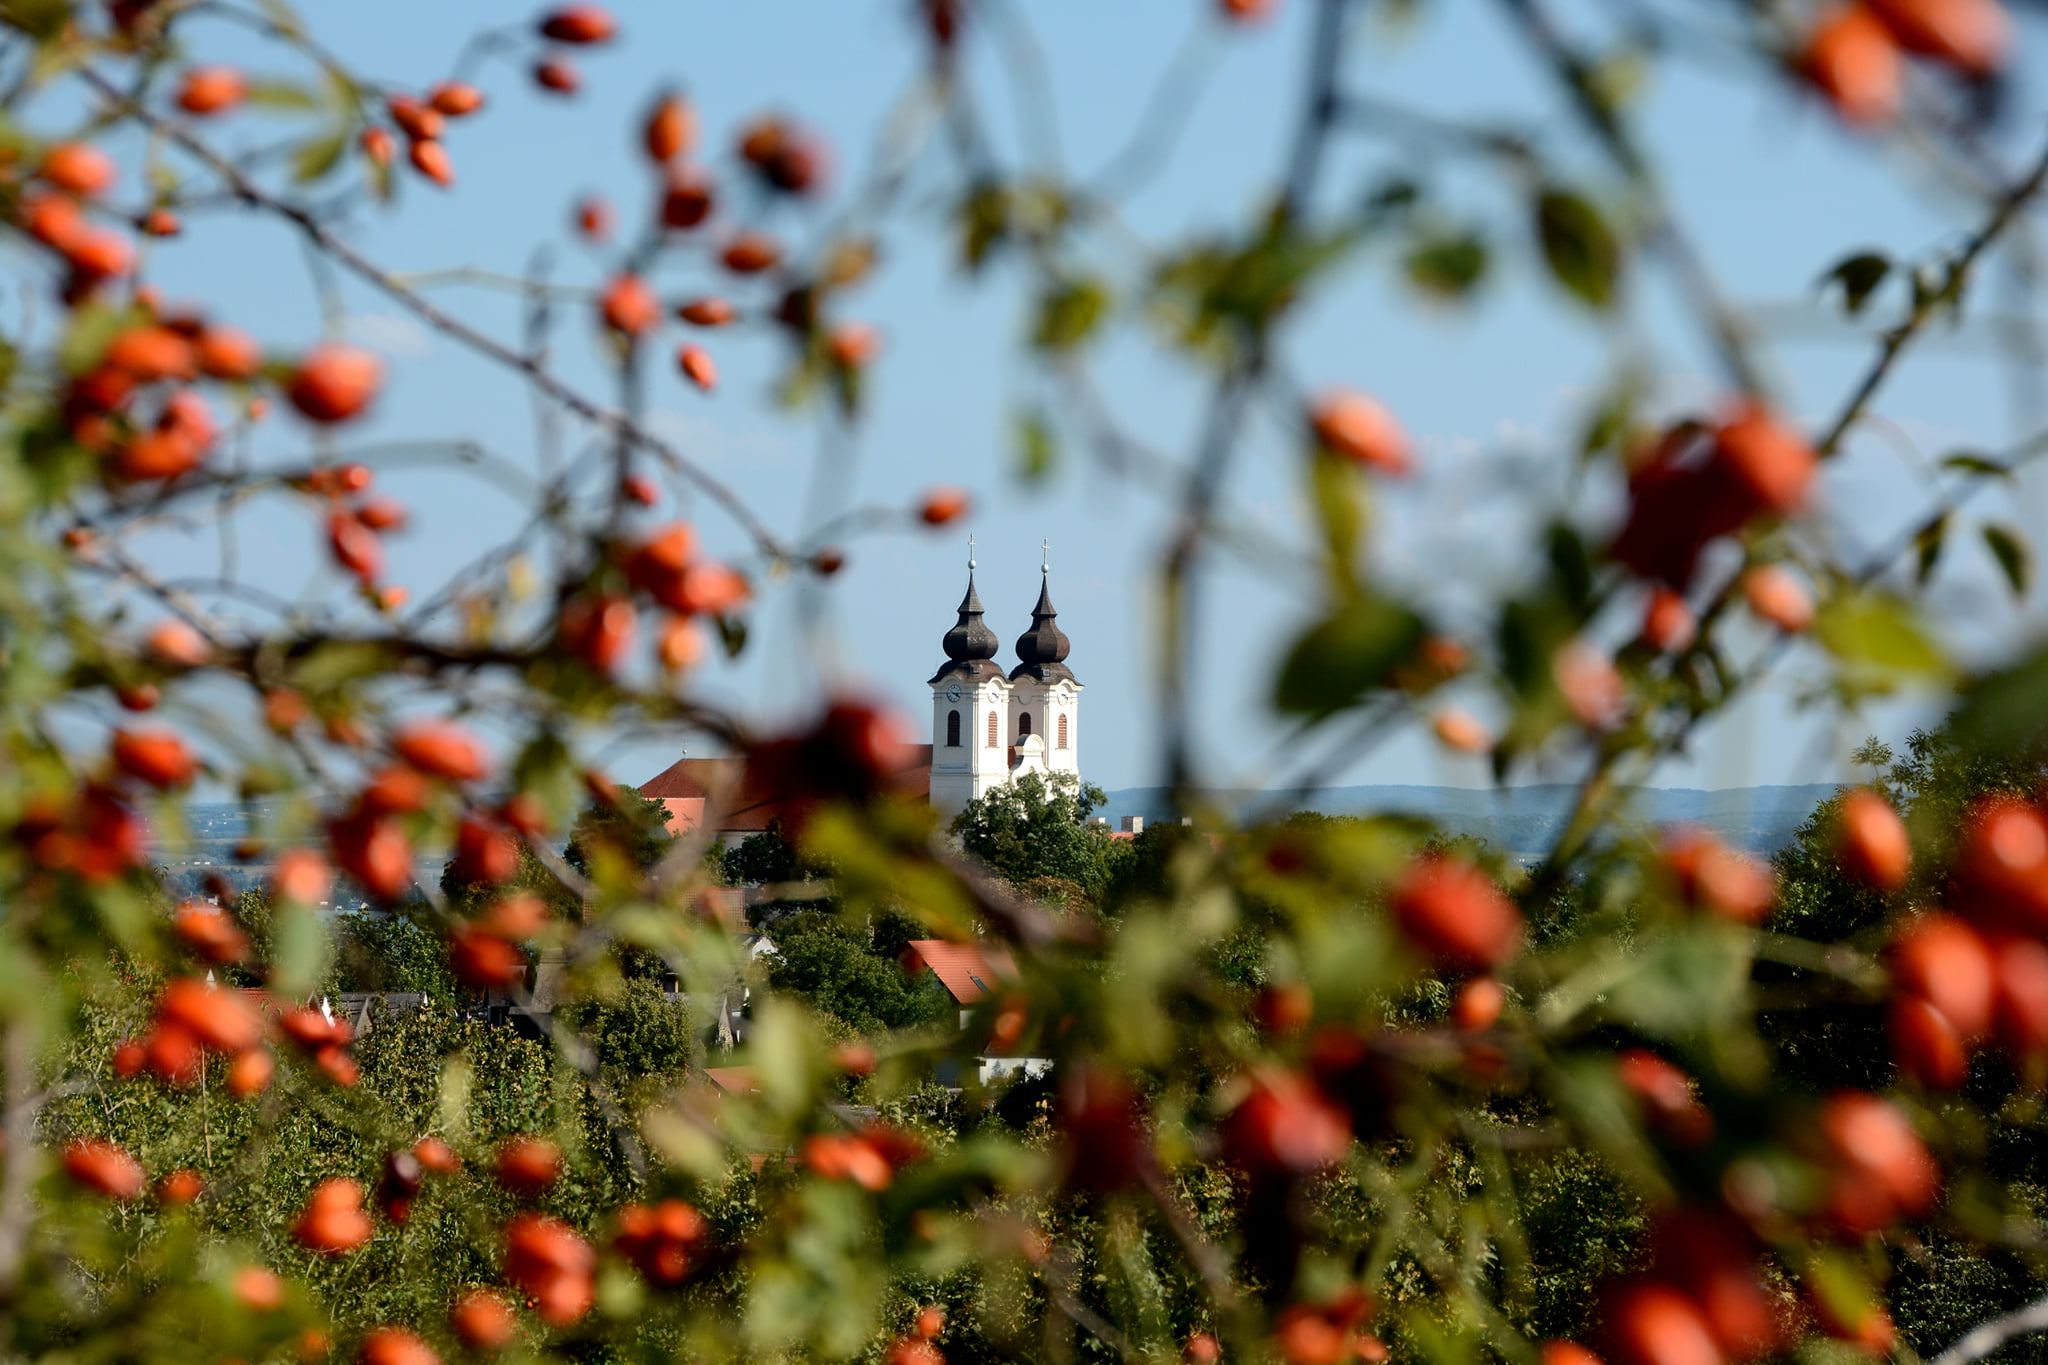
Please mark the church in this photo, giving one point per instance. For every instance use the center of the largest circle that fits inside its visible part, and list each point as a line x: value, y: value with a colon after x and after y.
x: 989, y: 727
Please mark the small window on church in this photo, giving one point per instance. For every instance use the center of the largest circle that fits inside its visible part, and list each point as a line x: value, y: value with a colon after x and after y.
x: 1063, y: 732
x: 952, y: 729
x: 1023, y: 724
x: 992, y: 731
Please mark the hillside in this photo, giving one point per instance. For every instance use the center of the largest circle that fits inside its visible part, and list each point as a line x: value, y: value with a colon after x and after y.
x: 1525, y: 820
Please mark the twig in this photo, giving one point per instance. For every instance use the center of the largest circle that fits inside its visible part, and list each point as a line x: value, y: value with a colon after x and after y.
x: 1983, y: 1339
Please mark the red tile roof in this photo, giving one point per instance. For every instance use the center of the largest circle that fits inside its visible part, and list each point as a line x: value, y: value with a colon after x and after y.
x: 734, y: 805
x: 733, y: 1080
x: 968, y: 970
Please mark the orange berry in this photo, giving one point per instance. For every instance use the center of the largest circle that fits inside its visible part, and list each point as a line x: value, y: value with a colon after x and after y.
x: 218, y: 1017
x: 1721, y: 880
x: 1247, y: 11
x: 250, y: 1072
x: 1455, y: 914
x: 437, y: 1156
x: 1970, y: 35
x: 750, y: 253
x: 333, y: 1221
x: 211, y: 89
x: 443, y: 749
x: 1779, y: 598
x: 696, y: 365
x: 104, y: 1168
x: 557, y: 75
x: 1771, y: 460
x: 1872, y: 844
x: 161, y: 222
x: 1851, y: 58
x: 150, y: 353
x: 181, y: 1186
x: 629, y: 307
x: 942, y: 505
x: 176, y: 642
x: 376, y: 145
x: 157, y: 757
x: 303, y: 877
x: 1590, y: 684
x: 1286, y: 1123
x: 210, y: 933
x: 430, y: 159
x: 710, y: 312
x: 552, y: 1263
x: 594, y: 218
x: 395, y: 1346
x: 455, y: 99
x: 79, y: 168
x: 1654, y: 1324
x: 580, y: 24
x: 1669, y: 625
x: 482, y: 1320
x: 1946, y: 962
x: 1362, y: 430
x: 1461, y: 730
x: 671, y: 129
x: 528, y: 1165
x: 421, y: 122
x: 598, y: 630
x: 1666, y: 1096
x: 356, y: 547
x: 1477, y: 1005
x: 1882, y: 1171
x: 853, y: 344
x: 259, y: 1289
x: 687, y: 199
x: 224, y: 353
x: 682, y: 644
x: 1926, y: 1043
x: 334, y: 383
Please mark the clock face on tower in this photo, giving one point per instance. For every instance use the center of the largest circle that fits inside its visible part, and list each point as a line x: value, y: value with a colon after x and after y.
x: 952, y: 691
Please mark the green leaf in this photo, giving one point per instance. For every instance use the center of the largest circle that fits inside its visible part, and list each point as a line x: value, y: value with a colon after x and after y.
x: 319, y: 155
x: 1447, y: 266
x: 1339, y: 496
x: 2009, y: 546
x: 1581, y: 248
x: 1927, y: 546
x: 1971, y: 462
x: 1344, y: 656
x: 1877, y: 639
x: 282, y: 95
x: 299, y: 951
x: 1069, y: 315
x: 1037, y: 452
x: 983, y: 218
x: 1573, y: 565
x: 1859, y: 276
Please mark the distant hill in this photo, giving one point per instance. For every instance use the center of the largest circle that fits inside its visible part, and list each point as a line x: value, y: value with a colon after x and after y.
x: 1527, y: 820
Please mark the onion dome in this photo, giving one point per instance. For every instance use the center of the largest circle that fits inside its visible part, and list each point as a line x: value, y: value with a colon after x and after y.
x: 970, y: 644
x: 1042, y: 650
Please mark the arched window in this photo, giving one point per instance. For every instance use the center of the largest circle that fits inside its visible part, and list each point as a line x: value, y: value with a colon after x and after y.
x: 952, y: 729
x: 1063, y: 732
x: 992, y: 732
x: 1023, y: 724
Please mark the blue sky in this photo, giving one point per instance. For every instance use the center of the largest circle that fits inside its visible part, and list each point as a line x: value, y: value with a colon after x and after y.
x: 1491, y: 391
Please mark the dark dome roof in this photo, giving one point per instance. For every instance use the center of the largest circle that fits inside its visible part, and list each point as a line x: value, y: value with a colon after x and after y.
x: 1042, y: 650
x: 970, y: 643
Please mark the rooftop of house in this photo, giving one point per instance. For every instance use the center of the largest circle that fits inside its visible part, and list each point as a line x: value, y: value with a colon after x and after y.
x: 969, y: 971
x: 694, y: 790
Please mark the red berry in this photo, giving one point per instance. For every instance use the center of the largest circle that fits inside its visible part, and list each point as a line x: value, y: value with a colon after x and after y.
x: 696, y: 364
x: 1455, y: 915
x: 442, y: 749
x: 1947, y: 963
x: 334, y: 383
x: 333, y: 1221
x: 104, y: 1168
x: 210, y: 89
x: 629, y: 307
x: 1873, y: 845
x: 1361, y: 430
x: 1851, y: 57
x: 482, y: 1320
x: 79, y: 168
x: 528, y: 1165
x: 671, y: 129
x: 558, y: 76
x: 579, y: 24
x: 157, y: 757
x: 455, y: 99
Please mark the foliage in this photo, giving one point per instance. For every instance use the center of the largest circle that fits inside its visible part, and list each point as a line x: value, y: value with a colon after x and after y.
x: 1320, y: 1089
x: 1037, y: 826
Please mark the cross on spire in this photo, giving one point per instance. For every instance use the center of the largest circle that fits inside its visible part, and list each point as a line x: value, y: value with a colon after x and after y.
x: 1045, y: 549
x: 970, y: 554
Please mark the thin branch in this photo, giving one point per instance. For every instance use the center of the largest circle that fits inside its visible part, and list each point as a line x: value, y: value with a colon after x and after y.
x: 1983, y: 1339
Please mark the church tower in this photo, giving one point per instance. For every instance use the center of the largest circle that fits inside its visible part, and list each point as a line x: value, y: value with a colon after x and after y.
x: 1045, y: 697
x: 970, y: 711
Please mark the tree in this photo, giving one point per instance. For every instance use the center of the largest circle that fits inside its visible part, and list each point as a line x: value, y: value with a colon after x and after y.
x: 1322, y: 1089
x: 1037, y: 827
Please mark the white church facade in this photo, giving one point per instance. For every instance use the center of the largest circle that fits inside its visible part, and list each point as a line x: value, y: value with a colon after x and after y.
x: 990, y: 728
